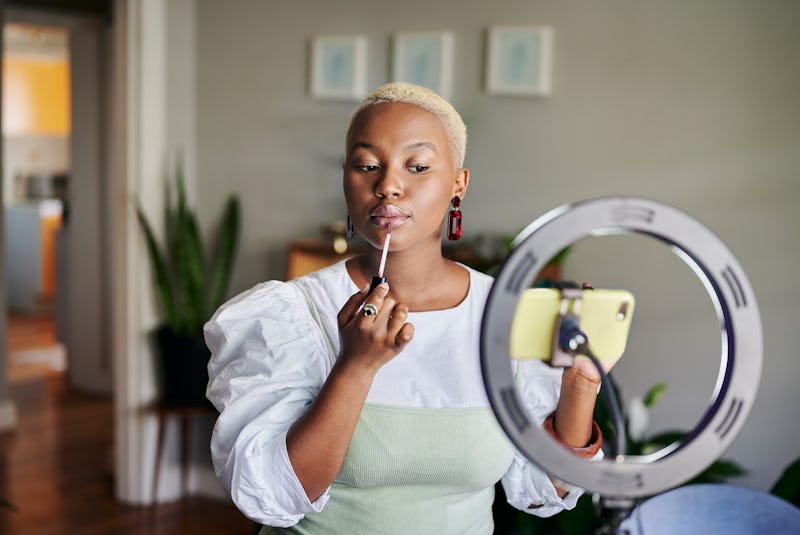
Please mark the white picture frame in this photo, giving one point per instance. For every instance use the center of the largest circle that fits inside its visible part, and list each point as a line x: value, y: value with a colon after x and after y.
x: 519, y: 60
x: 338, y: 67
x: 424, y: 58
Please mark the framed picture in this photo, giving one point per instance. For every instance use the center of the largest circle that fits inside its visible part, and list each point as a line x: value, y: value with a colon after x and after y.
x: 519, y: 60
x: 338, y: 67
x: 425, y: 59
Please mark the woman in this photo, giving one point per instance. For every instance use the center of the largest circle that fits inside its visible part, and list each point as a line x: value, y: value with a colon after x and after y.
x: 345, y: 411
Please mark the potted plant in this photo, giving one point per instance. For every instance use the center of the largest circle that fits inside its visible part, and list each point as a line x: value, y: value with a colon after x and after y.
x: 190, y: 284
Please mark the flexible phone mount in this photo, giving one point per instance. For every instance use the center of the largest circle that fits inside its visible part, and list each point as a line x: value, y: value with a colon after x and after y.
x: 618, y: 479
x: 570, y: 341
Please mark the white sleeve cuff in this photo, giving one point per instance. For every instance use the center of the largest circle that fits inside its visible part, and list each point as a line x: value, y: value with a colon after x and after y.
x: 530, y: 490
x: 266, y: 489
x: 298, y: 499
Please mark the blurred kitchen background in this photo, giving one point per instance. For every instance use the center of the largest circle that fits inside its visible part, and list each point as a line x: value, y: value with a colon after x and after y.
x: 36, y: 156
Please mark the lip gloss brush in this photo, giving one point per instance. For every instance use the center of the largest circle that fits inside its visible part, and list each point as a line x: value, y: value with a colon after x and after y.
x: 380, y: 278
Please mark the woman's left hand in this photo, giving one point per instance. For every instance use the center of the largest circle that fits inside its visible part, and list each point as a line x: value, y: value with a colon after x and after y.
x: 586, y: 369
x: 573, y: 418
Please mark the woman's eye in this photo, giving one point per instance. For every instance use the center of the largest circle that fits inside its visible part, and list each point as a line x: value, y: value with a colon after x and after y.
x: 367, y: 168
x: 418, y: 168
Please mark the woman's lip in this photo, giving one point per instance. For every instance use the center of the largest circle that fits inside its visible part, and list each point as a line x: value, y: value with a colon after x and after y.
x: 388, y: 214
x: 388, y: 210
x: 383, y: 221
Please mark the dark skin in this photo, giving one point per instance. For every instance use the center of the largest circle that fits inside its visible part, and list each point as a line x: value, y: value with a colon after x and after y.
x: 399, y: 169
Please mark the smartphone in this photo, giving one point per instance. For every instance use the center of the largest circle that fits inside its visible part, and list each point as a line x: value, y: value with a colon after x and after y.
x: 605, y: 317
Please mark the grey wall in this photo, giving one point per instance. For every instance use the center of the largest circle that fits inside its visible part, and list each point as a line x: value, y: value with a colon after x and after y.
x: 691, y: 103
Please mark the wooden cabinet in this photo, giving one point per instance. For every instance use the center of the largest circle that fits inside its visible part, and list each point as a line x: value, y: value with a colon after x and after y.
x: 305, y: 256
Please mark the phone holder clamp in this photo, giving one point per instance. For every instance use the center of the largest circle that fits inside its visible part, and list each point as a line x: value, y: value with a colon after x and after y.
x: 568, y: 336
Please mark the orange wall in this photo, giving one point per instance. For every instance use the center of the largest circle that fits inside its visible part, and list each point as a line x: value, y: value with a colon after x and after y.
x: 35, y: 96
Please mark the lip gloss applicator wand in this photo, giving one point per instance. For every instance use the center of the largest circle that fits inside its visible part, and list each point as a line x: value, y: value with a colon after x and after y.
x: 380, y: 278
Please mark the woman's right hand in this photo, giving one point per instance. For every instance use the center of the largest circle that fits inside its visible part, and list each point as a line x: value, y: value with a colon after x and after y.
x: 317, y: 442
x: 372, y: 341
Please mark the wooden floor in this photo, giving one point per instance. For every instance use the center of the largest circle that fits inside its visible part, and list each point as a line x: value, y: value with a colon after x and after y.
x: 55, y: 467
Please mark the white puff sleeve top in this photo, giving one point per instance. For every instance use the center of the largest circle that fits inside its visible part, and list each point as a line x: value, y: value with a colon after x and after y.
x: 270, y: 356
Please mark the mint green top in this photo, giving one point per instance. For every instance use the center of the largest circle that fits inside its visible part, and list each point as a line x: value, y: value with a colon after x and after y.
x: 451, y: 459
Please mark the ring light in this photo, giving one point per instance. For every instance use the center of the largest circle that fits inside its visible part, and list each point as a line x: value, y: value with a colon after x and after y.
x: 733, y: 299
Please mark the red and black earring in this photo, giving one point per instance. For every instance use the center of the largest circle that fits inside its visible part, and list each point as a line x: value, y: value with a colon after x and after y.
x: 454, y: 220
x: 350, y: 231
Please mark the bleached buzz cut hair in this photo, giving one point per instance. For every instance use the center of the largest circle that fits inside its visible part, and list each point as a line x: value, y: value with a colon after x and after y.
x: 426, y: 99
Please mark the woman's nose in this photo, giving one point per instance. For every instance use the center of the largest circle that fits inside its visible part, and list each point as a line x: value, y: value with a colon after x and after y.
x: 389, y: 185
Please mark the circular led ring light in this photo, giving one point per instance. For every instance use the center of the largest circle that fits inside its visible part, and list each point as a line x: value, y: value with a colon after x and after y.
x: 736, y: 306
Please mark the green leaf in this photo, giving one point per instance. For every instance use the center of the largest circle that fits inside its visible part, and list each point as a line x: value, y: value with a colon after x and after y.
x: 788, y: 485
x: 196, y: 269
x: 561, y: 256
x: 161, y: 274
x: 189, y: 272
x: 727, y: 468
x: 170, y: 219
x: 665, y: 438
x: 719, y: 472
x: 222, y: 261
x: 602, y: 414
x: 189, y: 265
x: 654, y: 394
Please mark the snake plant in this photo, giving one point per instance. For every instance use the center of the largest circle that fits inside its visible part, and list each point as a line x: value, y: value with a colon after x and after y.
x: 189, y: 282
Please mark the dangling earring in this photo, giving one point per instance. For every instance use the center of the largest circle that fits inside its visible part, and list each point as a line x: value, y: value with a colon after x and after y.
x: 454, y: 220
x: 350, y: 231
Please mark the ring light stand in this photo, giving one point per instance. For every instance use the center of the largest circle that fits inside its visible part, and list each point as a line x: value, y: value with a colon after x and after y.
x: 620, y: 481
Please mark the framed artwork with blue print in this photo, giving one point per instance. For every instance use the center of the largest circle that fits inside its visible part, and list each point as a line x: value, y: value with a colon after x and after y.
x: 519, y: 60
x: 424, y: 58
x: 338, y: 67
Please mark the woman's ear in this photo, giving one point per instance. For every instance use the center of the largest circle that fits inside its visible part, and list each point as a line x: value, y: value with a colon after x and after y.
x: 462, y: 182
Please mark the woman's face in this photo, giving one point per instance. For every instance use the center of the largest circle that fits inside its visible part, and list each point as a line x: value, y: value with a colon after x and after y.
x: 400, y: 169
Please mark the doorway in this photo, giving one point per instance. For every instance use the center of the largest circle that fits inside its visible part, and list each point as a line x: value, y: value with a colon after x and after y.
x: 36, y: 158
x: 55, y: 175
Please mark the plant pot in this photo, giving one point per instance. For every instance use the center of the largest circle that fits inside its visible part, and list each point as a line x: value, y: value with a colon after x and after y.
x: 184, y: 372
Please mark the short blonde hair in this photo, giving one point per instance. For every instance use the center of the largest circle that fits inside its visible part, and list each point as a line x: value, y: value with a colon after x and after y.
x: 425, y: 99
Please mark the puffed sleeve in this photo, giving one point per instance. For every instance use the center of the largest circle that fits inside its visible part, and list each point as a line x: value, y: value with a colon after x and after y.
x: 268, y: 362
x: 526, y: 486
